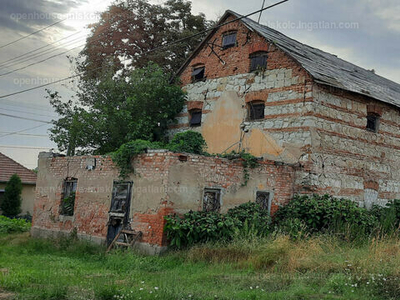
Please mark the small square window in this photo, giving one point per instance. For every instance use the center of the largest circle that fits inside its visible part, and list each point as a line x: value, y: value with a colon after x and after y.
x: 258, y: 61
x: 68, y: 200
x: 373, y: 122
x: 256, y: 111
x: 262, y: 198
x: 195, y: 118
x: 198, y: 74
x: 211, y: 200
x: 229, y: 40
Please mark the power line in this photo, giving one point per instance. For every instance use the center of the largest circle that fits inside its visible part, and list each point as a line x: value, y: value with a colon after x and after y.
x: 26, y: 36
x: 26, y: 105
x: 22, y: 130
x: 38, y: 62
x: 25, y: 147
x: 40, y: 86
x: 23, y: 118
x: 151, y: 50
x: 41, y: 53
x: 27, y: 112
x: 42, y: 47
x: 100, y: 31
x: 25, y: 134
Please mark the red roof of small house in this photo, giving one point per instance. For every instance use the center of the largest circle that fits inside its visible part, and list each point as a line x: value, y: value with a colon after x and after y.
x: 9, y: 167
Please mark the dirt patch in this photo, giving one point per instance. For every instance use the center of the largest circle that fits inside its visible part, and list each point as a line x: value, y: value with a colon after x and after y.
x: 6, y: 295
x: 4, y: 271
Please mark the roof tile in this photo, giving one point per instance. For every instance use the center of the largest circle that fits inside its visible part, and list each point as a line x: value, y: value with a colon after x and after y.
x: 9, y: 167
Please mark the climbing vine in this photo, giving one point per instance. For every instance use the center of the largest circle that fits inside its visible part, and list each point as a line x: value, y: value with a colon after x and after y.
x: 248, y: 161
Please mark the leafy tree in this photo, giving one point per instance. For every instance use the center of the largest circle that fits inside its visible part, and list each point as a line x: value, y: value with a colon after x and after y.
x: 11, y: 204
x: 129, y: 29
x: 114, y: 111
x: 116, y: 101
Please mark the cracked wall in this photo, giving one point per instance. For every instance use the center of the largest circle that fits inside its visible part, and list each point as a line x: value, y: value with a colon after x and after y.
x: 163, y: 183
x: 347, y: 160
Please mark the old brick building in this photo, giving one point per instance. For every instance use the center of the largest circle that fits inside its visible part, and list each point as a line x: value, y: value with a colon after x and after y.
x: 321, y: 125
x: 252, y: 88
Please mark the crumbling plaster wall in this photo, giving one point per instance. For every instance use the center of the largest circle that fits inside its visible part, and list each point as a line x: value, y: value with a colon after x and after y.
x: 347, y: 160
x: 323, y: 129
x: 284, y: 86
x: 163, y: 183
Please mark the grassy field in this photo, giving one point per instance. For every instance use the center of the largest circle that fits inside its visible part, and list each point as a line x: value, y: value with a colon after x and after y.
x: 274, y: 268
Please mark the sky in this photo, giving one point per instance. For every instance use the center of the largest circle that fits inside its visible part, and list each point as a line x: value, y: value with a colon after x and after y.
x: 364, y: 32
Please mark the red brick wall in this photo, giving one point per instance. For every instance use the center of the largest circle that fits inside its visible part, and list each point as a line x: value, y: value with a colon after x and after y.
x: 93, y: 198
x: 236, y: 58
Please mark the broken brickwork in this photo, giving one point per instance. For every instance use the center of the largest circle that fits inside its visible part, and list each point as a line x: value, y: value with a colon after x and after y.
x: 163, y: 183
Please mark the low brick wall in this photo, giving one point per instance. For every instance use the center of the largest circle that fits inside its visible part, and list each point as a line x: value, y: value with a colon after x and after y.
x: 163, y: 183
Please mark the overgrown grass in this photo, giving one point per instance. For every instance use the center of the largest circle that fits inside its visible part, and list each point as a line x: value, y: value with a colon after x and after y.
x: 274, y: 267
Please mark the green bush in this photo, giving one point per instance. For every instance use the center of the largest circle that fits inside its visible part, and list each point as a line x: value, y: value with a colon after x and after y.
x: 8, y: 225
x: 324, y: 213
x: 11, y: 204
x: 188, y: 141
x: 200, y: 227
x: 251, y: 216
x: 123, y: 156
x: 388, y: 216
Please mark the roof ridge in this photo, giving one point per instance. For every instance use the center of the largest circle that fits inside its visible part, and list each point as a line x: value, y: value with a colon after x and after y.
x: 312, y: 47
x: 327, y: 68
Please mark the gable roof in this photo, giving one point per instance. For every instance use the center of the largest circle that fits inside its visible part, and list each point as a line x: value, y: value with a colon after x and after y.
x: 324, y: 67
x: 9, y: 167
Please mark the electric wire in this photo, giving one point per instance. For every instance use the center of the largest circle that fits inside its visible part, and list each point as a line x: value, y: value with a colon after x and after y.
x: 151, y: 50
x: 35, y: 32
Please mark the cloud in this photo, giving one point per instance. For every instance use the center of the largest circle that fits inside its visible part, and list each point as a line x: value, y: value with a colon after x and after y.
x: 24, y: 16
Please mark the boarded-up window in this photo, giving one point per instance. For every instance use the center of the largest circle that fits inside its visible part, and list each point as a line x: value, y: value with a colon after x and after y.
x: 262, y: 198
x: 212, y: 200
x: 258, y: 61
x: 195, y: 118
x: 373, y: 122
x: 68, y: 200
x: 198, y: 74
x: 256, y: 110
x: 229, y: 40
